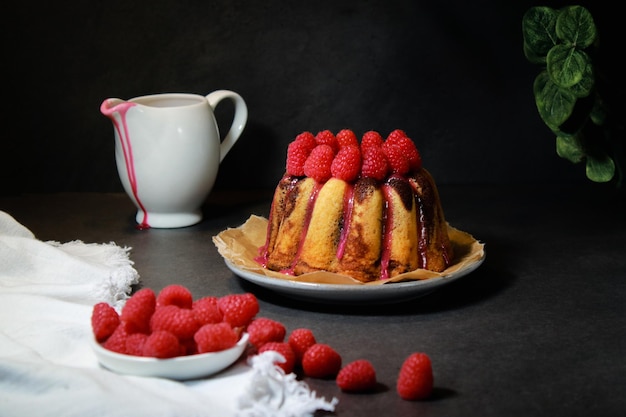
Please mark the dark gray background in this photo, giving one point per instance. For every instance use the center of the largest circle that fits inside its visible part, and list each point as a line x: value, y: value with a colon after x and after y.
x: 452, y: 74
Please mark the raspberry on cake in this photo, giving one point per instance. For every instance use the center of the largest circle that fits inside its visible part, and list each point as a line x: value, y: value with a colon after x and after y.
x: 368, y: 211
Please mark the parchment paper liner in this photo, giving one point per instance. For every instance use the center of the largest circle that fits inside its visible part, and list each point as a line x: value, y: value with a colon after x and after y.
x: 240, y: 246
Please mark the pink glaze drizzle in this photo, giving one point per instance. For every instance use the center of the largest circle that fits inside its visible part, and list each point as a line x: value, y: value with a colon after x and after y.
x: 305, y: 228
x: 127, y: 149
x: 348, y: 206
x: 387, y: 227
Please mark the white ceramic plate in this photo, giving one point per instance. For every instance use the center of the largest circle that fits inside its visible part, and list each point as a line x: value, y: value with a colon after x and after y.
x: 352, y: 294
x: 179, y: 368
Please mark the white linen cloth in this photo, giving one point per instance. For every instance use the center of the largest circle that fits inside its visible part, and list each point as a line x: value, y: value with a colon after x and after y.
x: 47, y: 367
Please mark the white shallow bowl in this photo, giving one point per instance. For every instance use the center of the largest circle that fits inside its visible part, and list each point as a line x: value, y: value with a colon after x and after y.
x: 179, y: 368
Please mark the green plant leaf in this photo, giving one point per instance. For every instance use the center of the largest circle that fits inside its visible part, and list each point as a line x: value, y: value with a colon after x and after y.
x: 570, y: 148
x: 554, y: 104
x: 600, y: 169
x: 575, y: 26
x: 532, y: 56
x: 567, y: 65
x: 586, y: 84
x: 539, y: 31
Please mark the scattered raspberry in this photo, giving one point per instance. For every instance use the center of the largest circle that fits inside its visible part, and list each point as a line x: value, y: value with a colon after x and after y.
x: 137, y: 311
x: 238, y: 309
x: 321, y: 361
x: 415, y: 381
x: 300, y: 340
x: 117, y: 341
x: 135, y: 343
x: 326, y: 137
x: 104, y: 321
x: 207, y: 311
x: 263, y: 330
x: 297, y: 154
x: 398, y: 161
x: 371, y: 139
x: 215, y: 337
x: 347, y: 163
x: 317, y: 165
x: 408, y: 149
x: 357, y: 376
x: 175, y: 294
x: 181, y: 322
x: 346, y: 137
x: 161, y: 344
x: 284, y: 349
x: 375, y: 163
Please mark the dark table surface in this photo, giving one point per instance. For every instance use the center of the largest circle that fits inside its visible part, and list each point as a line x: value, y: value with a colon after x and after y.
x: 539, y: 329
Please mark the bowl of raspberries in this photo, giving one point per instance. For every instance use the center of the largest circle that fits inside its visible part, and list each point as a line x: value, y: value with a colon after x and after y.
x: 171, y: 335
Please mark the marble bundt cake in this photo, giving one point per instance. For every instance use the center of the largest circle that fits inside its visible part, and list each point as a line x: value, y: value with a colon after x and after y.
x: 368, y: 210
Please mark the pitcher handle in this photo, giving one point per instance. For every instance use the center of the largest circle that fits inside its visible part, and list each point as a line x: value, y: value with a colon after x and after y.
x: 240, y: 117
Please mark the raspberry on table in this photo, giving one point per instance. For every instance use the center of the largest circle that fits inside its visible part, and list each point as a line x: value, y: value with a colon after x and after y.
x: 215, y: 337
x: 104, y: 321
x: 415, y: 380
x: 321, y: 361
x: 347, y: 163
x: 357, y: 376
x: 317, y: 165
x: 238, y: 309
x: 162, y: 344
x: 300, y: 340
x: 175, y: 294
x: 181, y: 322
x: 137, y: 311
x: 206, y: 310
x: 285, y: 350
x: 264, y: 330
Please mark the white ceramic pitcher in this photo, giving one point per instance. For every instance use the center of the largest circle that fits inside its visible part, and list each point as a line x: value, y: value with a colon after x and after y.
x: 168, y: 152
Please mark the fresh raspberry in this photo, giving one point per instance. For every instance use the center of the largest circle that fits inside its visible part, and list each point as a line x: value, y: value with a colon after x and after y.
x: 189, y: 346
x: 375, y: 163
x: 206, y: 310
x: 263, y: 330
x: 117, y: 341
x: 408, y: 149
x: 326, y: 137
x: 181, y: 322
x: 308, y: 139
x: 357, y: 376
x: 347, y: 163
x: 238, y: 309
x: 317, y: 165
x: 398, y: 161
x: 137, y: 311
x: 215, y: 337
x: 162, y: 344
x: 135, y: 343
x: 321, y: 361
x: 284, y: 349
x: 398, y: 133
x: 371, y: 139
x: 300, y: 340
x: 346, y: 137
x: 415, y: 380
x: 104, y: 321
x: 297, y: 153
x: 175, y: 294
